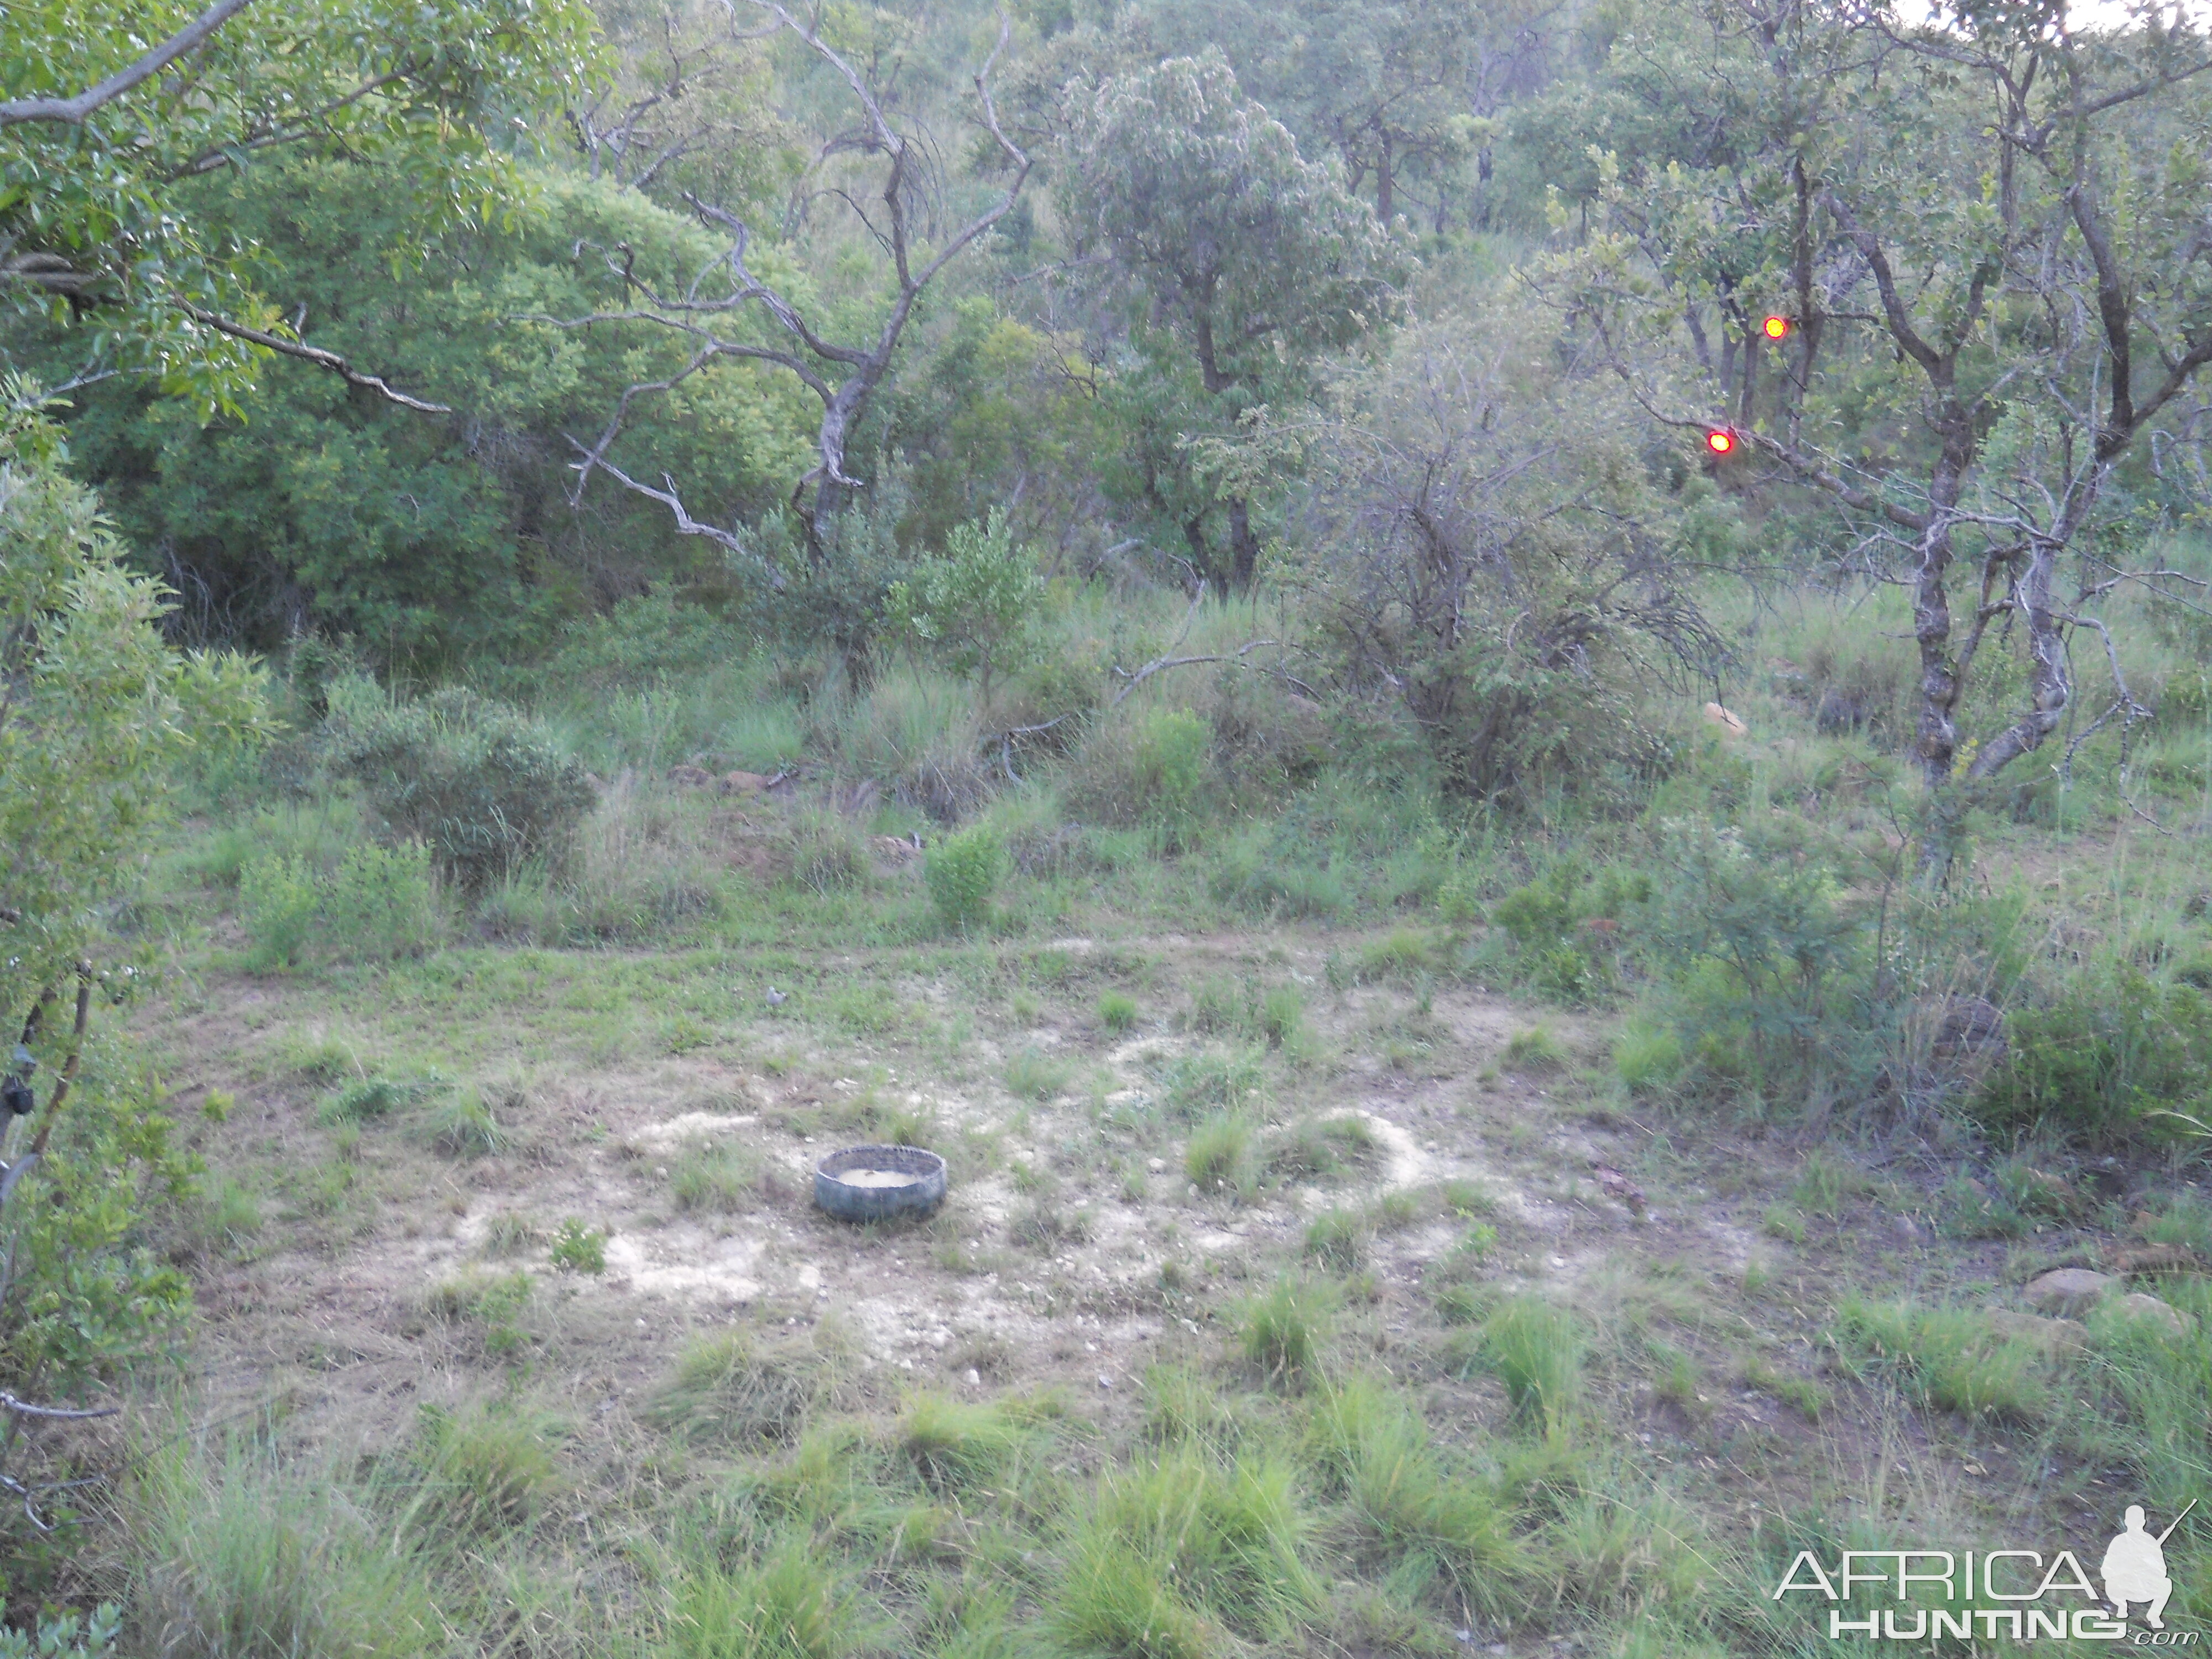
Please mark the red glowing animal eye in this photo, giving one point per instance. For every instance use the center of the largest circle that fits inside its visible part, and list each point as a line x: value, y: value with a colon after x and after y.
x: 1777, y: 328
x: 1719, y: 440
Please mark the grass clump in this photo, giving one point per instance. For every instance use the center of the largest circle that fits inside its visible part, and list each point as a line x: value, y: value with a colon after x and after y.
x: 953, y: 1444
x: 252, y: 1563
x: 730, y: 1389
x: 465, y: 1125
x: 1535, y: 1350
x: 1534, y: 1050
x: 1336, y: 1240
x: 1283, y: 1332
x: 1316, y: 1147
x: 1117, y: 1012
x: 1031, y: 1076
x: 1955, y: 1356
x: 1187, y: 1548
x: 790, y: 1605
x: 1219, y: 1155
x: 367, y: 1097
x: 1210, y: 1082
x: 713, y: 1179
x: 1421, y: 1515
x: 483, y: 1471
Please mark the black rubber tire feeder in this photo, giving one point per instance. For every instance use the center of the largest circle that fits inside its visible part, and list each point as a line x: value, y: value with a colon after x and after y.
x: 879, y: 1201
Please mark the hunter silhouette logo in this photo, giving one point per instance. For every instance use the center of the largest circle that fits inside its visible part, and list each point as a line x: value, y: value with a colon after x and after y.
x: 2135, y: 1568
x: 2018, y: 1595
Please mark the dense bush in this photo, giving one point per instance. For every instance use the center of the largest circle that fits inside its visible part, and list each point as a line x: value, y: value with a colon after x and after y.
x: 479, y: 783
x: 962, y: 872
x: 2090, y: 1062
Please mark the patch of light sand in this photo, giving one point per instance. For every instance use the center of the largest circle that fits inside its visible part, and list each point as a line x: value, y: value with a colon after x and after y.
x: 717, y: 1268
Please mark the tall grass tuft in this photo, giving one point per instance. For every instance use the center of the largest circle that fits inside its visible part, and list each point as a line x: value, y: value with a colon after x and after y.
x: 1536, y: 1350
x: 246, y: 1562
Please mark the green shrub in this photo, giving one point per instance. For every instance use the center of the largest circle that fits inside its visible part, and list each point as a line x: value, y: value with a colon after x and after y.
x: 1168, y: 749
x: 962, y: 872
x: 579, y: 1248
x: 379, y: 902
x: 2091, y: 1062
x: 65, y: 1636
x: 480, y: 784
x: 276, y: 904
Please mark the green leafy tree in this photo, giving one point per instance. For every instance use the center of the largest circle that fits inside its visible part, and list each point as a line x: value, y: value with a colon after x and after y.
x: 1982, y: 241
x: 331, y: 509
x: 975, y: 609
x: 1244, y: 266
x: 1405, y: 92
x: 116, y: 107
x: 95, y: 711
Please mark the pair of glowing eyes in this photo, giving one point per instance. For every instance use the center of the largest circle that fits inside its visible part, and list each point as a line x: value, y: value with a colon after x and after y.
x: 1721, y: 440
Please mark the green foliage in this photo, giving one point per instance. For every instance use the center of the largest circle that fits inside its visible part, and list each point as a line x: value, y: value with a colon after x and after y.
x: 963, y: 870
x: 424, y: 98
x: 579, y: 1248
x: 2104, y: 1052
x: 90, y: 1298
x: 1169, y: 750
x: 974, y: 609
x: 278, y: 899
x: 1760, y: 953
x: 66, y: 1636
x: 1247, y: 264
x: 1117, y: 1010
x: 480, y: 784
x: 99, y: 710
x: 380, y: 902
